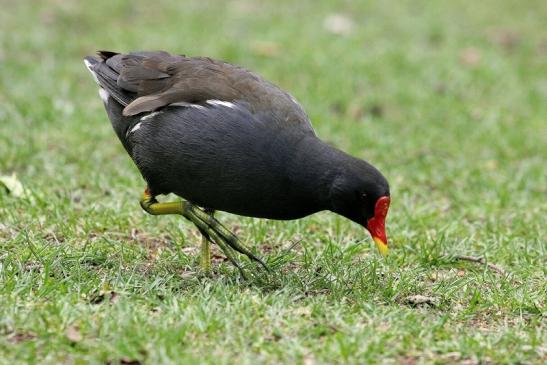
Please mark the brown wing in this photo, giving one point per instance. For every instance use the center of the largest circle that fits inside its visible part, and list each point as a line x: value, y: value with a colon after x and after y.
x: 160, y: 79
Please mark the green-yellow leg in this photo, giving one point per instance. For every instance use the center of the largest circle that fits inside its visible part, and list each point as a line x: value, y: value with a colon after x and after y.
x: 205, y: 258
x: 205, y: 252
x: 228, y: 252
x: 151, y: 205
x: 208, y: 226
x: 226, y: 235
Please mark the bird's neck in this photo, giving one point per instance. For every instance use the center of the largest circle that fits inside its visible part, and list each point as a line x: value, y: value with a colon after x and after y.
x: 315, y: 167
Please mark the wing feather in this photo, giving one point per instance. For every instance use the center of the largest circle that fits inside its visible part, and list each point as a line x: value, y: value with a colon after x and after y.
x: 147, y: 81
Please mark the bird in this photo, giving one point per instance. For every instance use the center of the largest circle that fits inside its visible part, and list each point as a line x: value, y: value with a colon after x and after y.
x: 223, y: 138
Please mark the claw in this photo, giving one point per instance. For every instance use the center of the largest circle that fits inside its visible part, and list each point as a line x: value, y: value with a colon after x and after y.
x: 228, y: 254
x: 236, y: 245
x: 228, y: 236
x: 210, y: 228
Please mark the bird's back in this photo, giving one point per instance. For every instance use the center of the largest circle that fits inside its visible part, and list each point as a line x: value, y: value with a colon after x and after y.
x: 147, y: 81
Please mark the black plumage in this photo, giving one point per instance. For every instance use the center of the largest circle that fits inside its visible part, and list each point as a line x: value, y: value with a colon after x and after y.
x: 225, y: 139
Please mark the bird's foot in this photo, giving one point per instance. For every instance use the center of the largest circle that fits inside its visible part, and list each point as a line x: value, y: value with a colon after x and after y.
x: 210, y: 228
x: 214, y: 231
x: 225, y: 234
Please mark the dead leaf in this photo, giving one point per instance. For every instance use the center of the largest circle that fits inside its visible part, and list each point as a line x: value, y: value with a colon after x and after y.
x: 309, y: 359
x: 470, y: 361
x: 406, y: 360
x: 454, y: 356
x: 124, y: 361
x: 13, y: 185
x: 19, y: 337
x: 109, y: 296
x: 128, y: 361
x: 265, y: 48
x: 491, y: 164
x: 421, y: 299
x: 440, y: 88
x: 302, y: 311
x: 339, y: 24
x: 245, y: 7
x: 480, y: 260
x: 507, y: 39
x: 218, y: 258
x: 189, y: 250
x: 73, y: 334
x: 356, y: 111
x: 470, y: 57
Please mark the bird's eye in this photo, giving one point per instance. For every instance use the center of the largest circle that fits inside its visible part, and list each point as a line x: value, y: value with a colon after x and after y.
x: 363, y: 196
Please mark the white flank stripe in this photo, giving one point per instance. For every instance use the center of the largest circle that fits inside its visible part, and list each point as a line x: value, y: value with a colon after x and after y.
x: 221, y: 103
x: 188, y: 105
x: 136, y: 127
x: 149, y: 116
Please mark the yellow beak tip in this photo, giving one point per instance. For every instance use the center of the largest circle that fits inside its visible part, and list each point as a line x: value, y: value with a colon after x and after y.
x: 382, y: 247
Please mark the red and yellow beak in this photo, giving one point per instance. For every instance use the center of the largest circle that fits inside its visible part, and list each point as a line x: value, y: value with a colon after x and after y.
x: 377, y: 224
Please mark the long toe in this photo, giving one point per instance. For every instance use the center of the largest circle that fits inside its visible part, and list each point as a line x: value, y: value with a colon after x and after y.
x: 228, y: 237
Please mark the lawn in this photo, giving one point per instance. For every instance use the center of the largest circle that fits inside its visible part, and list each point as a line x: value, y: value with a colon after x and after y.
x: 448, y: 99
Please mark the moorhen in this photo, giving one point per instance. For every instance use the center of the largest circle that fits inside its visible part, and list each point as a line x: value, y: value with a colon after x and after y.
x: 224, y: 138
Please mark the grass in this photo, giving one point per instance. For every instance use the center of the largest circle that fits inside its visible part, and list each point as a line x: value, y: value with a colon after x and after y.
x: 446, y: 98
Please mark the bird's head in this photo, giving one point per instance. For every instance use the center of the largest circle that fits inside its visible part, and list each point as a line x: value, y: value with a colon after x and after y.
x: 361, y: 193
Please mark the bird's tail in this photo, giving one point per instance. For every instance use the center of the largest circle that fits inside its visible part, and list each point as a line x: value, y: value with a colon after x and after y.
x: 106, y: 71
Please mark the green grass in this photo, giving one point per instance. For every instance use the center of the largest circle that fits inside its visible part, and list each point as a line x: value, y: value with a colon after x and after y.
x: 446, y: 98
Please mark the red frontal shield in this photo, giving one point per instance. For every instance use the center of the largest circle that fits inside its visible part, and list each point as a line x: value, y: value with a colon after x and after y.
x: 377, y: 224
